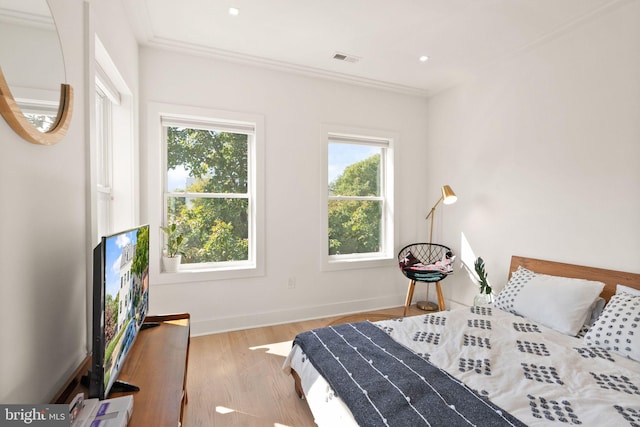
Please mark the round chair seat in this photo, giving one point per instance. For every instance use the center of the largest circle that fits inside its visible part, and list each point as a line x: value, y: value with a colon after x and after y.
x: 425, y: 262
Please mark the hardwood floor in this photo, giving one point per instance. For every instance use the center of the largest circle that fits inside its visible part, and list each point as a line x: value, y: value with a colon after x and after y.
x: 235, y: 378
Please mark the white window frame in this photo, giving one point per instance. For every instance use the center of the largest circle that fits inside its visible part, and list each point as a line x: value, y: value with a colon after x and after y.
x: 381, y: 139
x: 104, y: 164
x: 30, y: 107
x: 116, y: 157
x: 34, y: 101
x: 159, y: 115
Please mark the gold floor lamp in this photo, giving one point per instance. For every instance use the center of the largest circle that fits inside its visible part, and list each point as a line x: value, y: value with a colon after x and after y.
x: 448, y: 197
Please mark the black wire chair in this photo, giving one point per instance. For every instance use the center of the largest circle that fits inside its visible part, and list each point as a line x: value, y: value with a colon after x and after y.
x: 425, y: 254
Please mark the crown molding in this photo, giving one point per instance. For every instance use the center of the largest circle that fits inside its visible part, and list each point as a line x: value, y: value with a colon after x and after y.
x: 236, y: 57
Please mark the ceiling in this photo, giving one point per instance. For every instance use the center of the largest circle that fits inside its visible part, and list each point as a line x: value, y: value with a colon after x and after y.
x: 386, y: 37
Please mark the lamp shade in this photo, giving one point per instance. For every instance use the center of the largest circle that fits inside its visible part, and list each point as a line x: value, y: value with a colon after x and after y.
x: 448, y: 196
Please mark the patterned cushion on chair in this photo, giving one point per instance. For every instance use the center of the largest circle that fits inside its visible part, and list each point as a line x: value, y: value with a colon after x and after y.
x: 408, y: 261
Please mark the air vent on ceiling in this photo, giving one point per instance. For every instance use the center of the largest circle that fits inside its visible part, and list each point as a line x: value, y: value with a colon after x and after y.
x: 345, y: 57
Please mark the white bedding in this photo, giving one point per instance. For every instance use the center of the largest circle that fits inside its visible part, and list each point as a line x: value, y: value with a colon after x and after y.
x: 539, y: 375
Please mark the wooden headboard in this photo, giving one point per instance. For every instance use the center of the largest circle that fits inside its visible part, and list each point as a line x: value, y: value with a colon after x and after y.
x: 610, y: 278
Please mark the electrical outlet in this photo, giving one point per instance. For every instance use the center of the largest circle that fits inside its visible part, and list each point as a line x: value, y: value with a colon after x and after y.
x: 292, y: 282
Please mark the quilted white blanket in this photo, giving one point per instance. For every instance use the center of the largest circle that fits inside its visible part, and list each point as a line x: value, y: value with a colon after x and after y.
x: 538, y: 375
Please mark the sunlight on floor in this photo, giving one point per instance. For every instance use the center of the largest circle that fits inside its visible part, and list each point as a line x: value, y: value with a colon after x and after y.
x: 279, y: 348
x: 224, y: 410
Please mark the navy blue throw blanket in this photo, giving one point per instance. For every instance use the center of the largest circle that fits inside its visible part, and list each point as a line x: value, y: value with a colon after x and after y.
x: 385, y: 384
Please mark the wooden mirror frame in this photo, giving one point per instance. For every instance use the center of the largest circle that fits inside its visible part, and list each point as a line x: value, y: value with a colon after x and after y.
x: 16, y: 119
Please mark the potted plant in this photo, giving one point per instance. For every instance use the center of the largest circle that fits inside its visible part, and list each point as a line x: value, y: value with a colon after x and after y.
x: 486, y: 293
x: 172, y: 256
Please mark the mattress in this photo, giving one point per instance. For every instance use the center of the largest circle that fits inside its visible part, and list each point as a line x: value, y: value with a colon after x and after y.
x: 536, y: 374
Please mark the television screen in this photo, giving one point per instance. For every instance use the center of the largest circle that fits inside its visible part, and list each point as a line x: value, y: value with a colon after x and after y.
x: 120, y: 303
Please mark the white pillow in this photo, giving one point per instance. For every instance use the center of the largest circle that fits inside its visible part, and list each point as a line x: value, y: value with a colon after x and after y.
x: 509, y: 294
x: 627, y: 290
x: 559, y: 303
x: 595, y: 311
x: 616, y: 328
x: 545, y: 306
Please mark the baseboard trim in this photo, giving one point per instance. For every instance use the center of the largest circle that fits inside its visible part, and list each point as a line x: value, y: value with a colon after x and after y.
x: 216, y: 325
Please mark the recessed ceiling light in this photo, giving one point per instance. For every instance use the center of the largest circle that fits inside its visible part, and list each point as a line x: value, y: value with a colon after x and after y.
x: 424, y: 58
x: 234, y: 11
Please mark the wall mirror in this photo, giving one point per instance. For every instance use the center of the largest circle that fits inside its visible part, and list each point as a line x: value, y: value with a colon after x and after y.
x: 32, y: 99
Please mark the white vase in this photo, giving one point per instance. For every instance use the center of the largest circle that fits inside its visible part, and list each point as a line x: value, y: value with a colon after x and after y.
x: 483, y: 299
x: 170, y: 264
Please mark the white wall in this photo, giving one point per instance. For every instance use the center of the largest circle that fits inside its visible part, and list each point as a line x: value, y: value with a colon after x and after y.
x: 294, y: 108
x: 42, y: 249
x: 23, y: 70
x: 539, y: 149
x: 543, y: 152
x: 45, y: 244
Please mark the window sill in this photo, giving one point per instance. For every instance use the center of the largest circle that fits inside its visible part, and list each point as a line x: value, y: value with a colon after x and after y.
x: 357, y: 263
x: 206, y: 275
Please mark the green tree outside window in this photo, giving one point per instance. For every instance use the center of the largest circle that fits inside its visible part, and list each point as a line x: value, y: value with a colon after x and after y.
x: 213, y: 217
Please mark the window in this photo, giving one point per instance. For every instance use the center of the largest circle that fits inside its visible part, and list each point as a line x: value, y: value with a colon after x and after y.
x: 41, y: 114
x: 104, y: 188
x: 359, y: 191
x: 114, y: 151
x: 209, y: 162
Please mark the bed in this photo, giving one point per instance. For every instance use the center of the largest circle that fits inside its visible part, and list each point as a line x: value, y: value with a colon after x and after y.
x: 568, y: 360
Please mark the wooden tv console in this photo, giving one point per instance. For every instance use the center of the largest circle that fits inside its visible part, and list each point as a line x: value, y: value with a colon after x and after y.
x: 157, y: 363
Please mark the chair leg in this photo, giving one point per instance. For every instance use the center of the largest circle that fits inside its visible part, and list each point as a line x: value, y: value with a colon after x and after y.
x: 407, y: 303
x: 441, y: 305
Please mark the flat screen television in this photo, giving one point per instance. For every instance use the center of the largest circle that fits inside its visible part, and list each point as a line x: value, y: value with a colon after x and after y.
x: 120, y: 304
